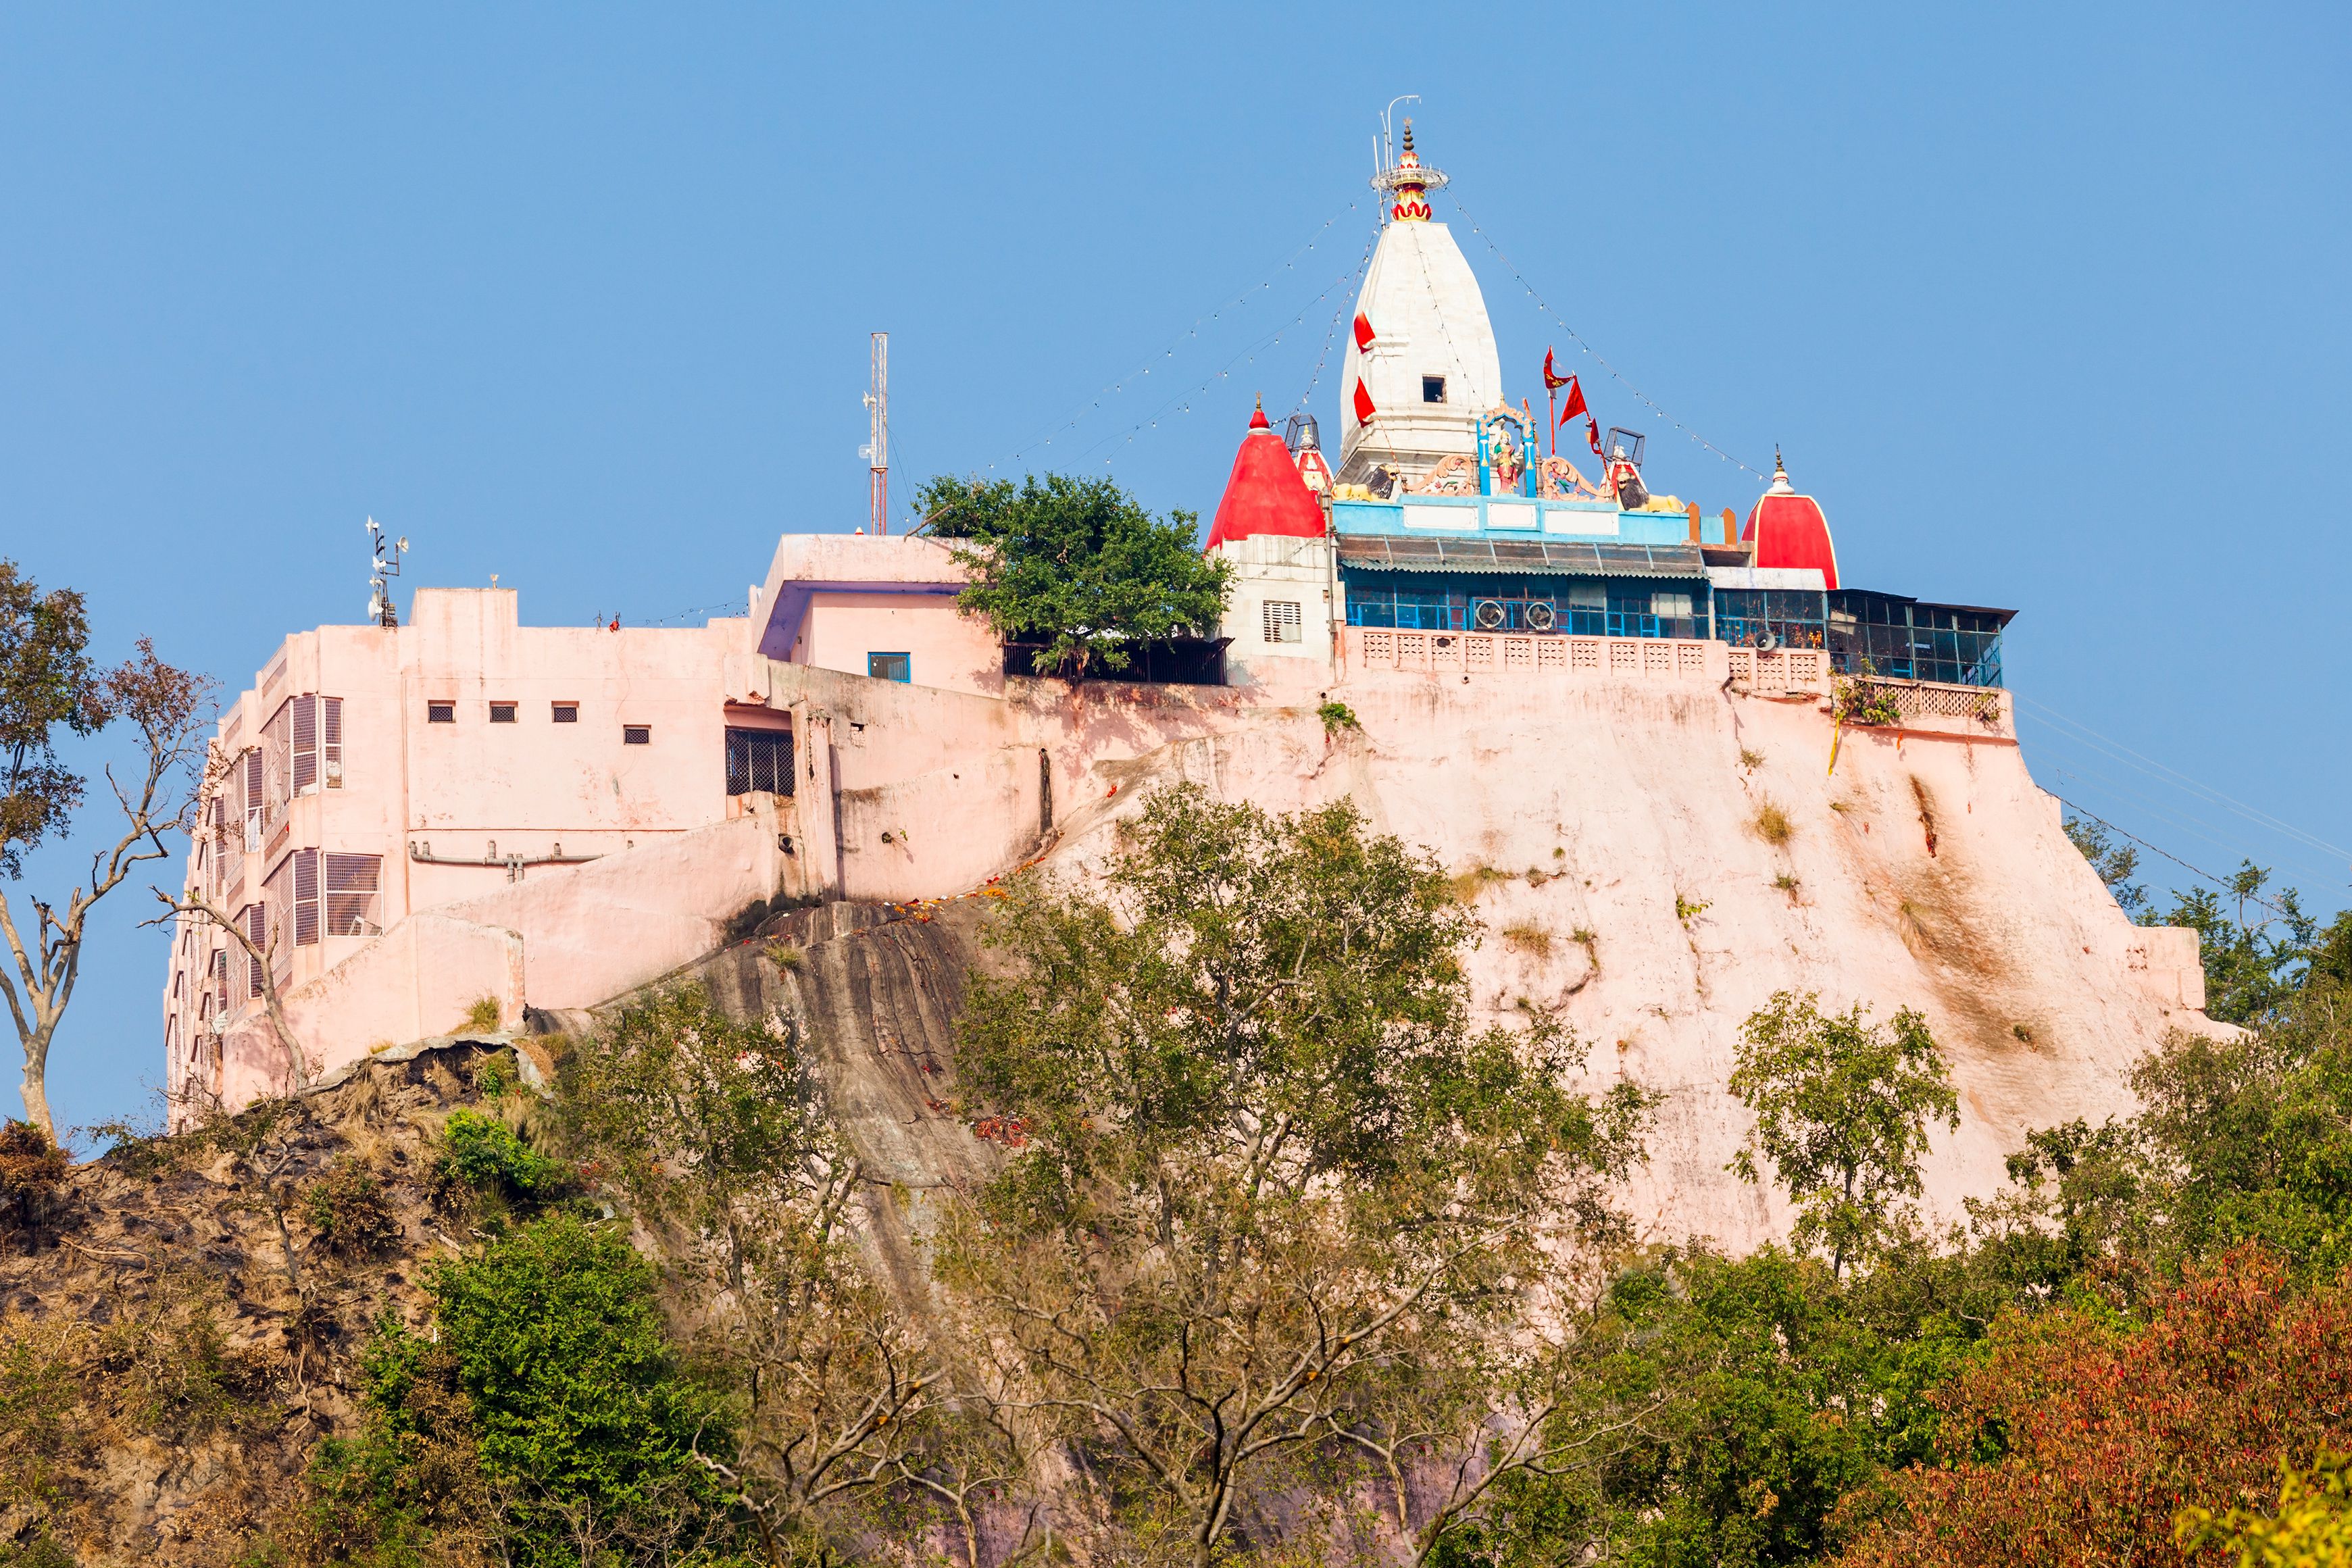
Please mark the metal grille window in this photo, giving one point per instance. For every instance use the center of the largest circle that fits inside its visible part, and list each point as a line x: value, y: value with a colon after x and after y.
x: 256, y: 920
x: 440, y: 713
x: 502, y: 712
x: 637, y: 735
x: 566, y: 713
x: 304, y: 713
x: 293, y: 890
x: 352, y: 882
x: 251, y: 805
x: 330, y: 740
x: 1282, y: 620
x: 759, y: 761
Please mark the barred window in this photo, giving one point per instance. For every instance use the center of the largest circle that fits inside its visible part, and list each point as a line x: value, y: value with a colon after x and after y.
x: 502, y: 712
x: 637, y: 735
x: 256, y: 920
x: 1282, y: 620
x: 441, y: 713
x: 759, y: 761
x: 566, y: 713
x: 351, y: 884
x: 306, y: 742
x: 330, y: 739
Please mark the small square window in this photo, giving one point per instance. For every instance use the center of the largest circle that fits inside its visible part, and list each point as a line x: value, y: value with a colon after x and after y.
x: 440, y: 713
x: 1433, y: 389
x: 637, y: 735
x: 566, y: 713
x: 502, y: 712
x: 1282, y: 620
x: 898, y: 667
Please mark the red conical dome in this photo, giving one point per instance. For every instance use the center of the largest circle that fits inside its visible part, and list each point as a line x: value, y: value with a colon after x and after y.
x: 1790, y: 529
x: 1265, y: 493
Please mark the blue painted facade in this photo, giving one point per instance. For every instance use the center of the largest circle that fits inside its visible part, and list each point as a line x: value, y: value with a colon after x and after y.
x: 1508, y: 585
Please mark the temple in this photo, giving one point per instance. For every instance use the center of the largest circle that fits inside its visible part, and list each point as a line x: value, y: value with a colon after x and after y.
x: 1511, y: 655
x: 1452, y: 512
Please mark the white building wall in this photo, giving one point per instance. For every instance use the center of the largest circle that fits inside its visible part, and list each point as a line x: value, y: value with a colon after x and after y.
x: 1293, y: 575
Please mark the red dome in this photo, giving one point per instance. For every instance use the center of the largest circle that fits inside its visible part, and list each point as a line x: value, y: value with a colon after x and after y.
x: 1265, y: 493
x: 1790, y: 530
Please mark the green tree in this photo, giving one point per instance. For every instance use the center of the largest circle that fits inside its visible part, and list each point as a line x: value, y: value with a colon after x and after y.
x: 550, y: 1396
x: 2251, y: 966
x: 1268, y: 1170
x: 1075, y: 565
x: 1842, y: 1111
x: 715, y: 1130
x: 2114, y: 861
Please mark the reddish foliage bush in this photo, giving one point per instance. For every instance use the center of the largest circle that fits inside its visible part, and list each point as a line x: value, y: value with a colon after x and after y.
x: 2082, y: 1435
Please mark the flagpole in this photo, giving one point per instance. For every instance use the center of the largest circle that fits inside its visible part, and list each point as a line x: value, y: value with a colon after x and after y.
x: 1552, y: 419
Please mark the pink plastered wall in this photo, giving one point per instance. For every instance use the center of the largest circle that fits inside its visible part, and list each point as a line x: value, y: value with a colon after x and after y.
x: 945, y: 648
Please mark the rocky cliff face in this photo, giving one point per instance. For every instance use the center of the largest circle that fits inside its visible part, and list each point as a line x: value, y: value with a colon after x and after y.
x: 1657, y: 859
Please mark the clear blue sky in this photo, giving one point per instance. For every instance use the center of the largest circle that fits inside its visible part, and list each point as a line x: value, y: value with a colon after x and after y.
x: 2047, y: 305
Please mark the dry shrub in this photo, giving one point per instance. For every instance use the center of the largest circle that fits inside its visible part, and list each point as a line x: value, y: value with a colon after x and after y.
x: 483, y: 1016
x: 1469, y: 884
x: 31, y: 1169
x: 1772, y: 824
x: 1528, y: 938
x: 347, y: 1211
x: 169, y: 1369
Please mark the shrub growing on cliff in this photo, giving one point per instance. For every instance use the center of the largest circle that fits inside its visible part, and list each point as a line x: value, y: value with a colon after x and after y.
x: 1075, y: 565
x: 484, y: 1154
x: 1275, y: 1186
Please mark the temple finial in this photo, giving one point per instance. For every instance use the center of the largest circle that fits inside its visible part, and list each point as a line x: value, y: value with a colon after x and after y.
x: 1409, y: 183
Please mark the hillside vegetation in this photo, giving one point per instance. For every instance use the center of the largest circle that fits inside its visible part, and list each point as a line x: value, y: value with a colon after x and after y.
x: 1256, y: 1250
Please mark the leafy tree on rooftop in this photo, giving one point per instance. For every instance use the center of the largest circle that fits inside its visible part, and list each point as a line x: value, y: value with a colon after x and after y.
x: 1075, y: 565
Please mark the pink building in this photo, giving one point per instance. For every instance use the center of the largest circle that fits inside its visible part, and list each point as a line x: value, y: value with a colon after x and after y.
x: 392, y: 807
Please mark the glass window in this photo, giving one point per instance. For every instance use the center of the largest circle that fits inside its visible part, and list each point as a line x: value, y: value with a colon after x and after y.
x: 890, y: 668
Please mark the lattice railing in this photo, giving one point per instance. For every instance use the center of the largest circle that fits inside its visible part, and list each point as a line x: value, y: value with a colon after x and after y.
x: 1783, y: 669
x: 1937, y: 699
x: 1474, y: 653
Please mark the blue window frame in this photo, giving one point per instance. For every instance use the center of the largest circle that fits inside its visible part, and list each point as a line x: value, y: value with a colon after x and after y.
x: 899, y: 667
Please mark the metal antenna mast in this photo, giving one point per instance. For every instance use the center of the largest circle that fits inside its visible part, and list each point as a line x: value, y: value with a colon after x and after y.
x: 385, y: 567
x: 877, y: 450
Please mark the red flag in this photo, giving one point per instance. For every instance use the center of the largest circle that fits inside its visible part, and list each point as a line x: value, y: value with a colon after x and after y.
x: 1575, y: 404
x: 1363, y: 332
x: 1592, y: 433
x: 1553, y: 382
x: 1364, y: 408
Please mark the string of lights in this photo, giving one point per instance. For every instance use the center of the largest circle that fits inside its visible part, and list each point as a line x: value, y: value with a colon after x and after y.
x: 1144, y: 370
x: 1337, y: 316
x: 2084, y: 734
x: 1594, y: 354
x: 2205, y: 875
x: 2180, y: 823
x: 1247, y: 354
